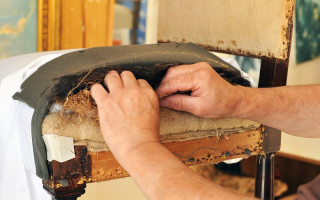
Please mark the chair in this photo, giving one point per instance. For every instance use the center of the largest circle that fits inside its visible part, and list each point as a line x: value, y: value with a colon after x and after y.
x: 254, y: 28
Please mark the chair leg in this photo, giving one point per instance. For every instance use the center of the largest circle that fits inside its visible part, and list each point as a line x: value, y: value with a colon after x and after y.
x: 66, y: 198
x: 264, y: 185
x: 65, y: 193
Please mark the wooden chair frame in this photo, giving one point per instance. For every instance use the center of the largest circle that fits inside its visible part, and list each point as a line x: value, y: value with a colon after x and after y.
x: 68, y: 179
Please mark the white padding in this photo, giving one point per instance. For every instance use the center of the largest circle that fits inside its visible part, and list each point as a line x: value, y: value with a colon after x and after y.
x: 59, y: 148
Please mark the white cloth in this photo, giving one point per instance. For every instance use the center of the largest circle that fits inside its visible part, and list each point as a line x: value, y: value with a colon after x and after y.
x: 18, y: 178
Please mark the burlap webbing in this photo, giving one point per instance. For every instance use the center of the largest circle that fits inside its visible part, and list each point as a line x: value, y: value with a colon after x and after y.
x: 174, y: 126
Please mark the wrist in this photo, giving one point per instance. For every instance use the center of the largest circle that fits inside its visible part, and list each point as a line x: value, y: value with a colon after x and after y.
x: 132, y: 160
x: 123, y: 150
x: 238, y: 105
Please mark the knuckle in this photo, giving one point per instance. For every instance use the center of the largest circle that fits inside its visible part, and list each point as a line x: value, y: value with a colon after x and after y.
x: 154, y: 99
x: 203, y: 65
x: 204, y: 74
x: 170, y: 85
x: 142, y: 81
x: 172, y: 70
x: 177, y: 104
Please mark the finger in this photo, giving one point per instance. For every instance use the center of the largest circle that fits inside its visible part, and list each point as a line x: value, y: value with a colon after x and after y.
x: 183, y: 82
x: 113, y: 81
x: 177, y: 71
x: 98, y: 93
x: 181, y: 103
x: 144, y: 84
x: 128, y: 79
x: 184, y: 69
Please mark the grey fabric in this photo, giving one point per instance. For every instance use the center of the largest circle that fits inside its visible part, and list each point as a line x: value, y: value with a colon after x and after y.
x: 149, y: 62
x: 310, y: 191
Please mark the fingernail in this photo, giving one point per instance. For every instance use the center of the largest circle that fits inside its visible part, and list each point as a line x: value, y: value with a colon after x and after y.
x: 112, y: 73
x: 164, y: 103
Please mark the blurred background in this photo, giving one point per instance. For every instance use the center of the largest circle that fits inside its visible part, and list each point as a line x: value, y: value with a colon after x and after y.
x: 28, y: 26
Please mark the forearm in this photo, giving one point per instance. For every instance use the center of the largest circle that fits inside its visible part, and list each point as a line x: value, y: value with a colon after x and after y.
x: 292, y: 109
x: 161, y: 175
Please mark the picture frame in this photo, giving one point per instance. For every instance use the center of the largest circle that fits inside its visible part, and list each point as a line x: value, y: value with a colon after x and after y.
x: 74, y: 24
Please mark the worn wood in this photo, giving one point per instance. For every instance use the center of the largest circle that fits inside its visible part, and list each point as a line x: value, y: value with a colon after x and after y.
x: 48, y: 25
x: 68, y: 179
x: 264, y: 185
x: 193, y: 152
x: 273, y: 73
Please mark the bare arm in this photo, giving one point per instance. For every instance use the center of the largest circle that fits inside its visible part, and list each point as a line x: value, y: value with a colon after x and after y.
x: 129, y: 121
x: 295, y: 110
x: 292, y: 109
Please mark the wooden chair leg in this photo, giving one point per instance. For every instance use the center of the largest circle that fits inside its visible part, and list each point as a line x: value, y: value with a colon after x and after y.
x: 264, y: 185
x: 71, y: 192
x: 68, y: 179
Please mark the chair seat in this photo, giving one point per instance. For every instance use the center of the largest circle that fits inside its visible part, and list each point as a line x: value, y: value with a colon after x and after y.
x: 174, y: 126
x: 192, y: 139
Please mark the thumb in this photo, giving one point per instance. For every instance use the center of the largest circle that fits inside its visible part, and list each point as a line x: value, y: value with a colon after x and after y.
x: 181, y: 103
x: 98, y: 93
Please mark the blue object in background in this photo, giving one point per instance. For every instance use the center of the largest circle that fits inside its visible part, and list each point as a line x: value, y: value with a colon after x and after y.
x: 128, y: 4
x: 250, y: 66
x: 141, y: 31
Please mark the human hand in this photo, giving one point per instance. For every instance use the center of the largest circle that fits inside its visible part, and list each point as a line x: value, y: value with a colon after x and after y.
x: 129, y: 113
x: 211, y: 96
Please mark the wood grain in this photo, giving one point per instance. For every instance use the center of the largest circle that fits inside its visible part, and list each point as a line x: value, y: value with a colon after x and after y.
x: 193, y: 152
x: 95, y: 15
x: 72, y: 25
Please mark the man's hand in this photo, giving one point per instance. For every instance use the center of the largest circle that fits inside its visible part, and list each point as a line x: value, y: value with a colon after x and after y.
x: 286, y: 108
x: 211, y: 96
x: 129, y: 120
x: 129, y: 113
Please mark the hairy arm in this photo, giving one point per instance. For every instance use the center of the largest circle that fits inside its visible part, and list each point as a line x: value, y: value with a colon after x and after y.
x: 129, y: 121
x: 295, y: 109
x: 292, y: 109
x: 160, y: 175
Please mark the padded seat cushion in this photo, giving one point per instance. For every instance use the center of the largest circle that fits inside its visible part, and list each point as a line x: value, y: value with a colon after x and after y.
x: 174, y: 126
x: 64, y: 74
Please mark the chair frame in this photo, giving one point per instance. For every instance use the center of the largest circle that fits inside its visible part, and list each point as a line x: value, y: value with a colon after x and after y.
x: 68, y: 180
